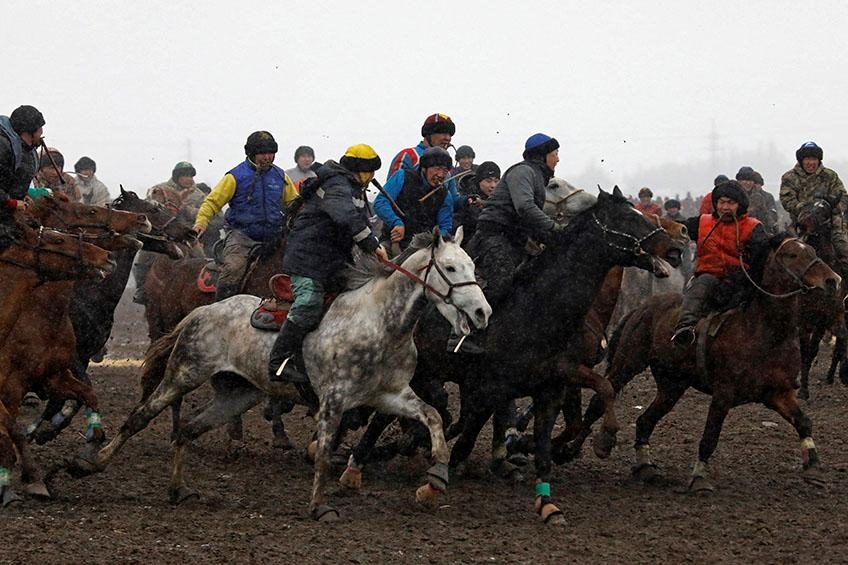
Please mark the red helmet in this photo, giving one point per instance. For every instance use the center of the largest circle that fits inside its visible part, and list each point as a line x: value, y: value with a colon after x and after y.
x: 438, y: 123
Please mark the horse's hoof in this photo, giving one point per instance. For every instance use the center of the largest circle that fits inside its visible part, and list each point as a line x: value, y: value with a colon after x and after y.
x: 44, y: 433
x: 549, y: 513
x: 351, y: 478
x: 31, y: 400
x: 603, y: 444
x: 325, y: 513
x: 701, y: 486
x: 503, y: 469
x: 518, y: 459
x: 282, y: 442
x: 80, y: 467
x: 427, y: 495
x: 803, y: 393
x: 8, y: 497
x: 181, y: 494
x: 649, y: 474
x: 312, y: 451
x: 37, y: 490
x: 816, y: 477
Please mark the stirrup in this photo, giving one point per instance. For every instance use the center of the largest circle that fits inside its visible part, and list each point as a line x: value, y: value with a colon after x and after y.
x: 462, y: 344
x: 288, y: 372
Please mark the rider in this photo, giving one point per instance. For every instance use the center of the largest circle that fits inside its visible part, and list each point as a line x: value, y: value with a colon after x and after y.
x: 50, y: 175
x: 334, y: 216
x: 810, y: 180
x: 646, y: 203
x: 464, y: 160
x: 422, y: 197
x: 257, y: 192
x: 512, y: 215
x: 477, y: 191
x: 20, y: 134
x: 722, y: 237
x: 92, y: 191
x: 437, y: 131
x: 761, y: 203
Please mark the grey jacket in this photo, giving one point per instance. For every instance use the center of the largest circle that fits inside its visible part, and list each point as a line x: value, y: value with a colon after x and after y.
x: 516, y: 205
x: 18, y: 164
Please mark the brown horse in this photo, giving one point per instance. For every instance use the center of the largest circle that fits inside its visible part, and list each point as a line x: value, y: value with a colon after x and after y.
x: 754, y: 356
x: 32, y: 257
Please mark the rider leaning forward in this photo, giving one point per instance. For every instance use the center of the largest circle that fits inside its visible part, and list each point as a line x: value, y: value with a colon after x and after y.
x: 723, y: 236
x: 333, y: 217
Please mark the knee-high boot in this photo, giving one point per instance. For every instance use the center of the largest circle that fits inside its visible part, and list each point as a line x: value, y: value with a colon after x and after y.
x: 285, y: 362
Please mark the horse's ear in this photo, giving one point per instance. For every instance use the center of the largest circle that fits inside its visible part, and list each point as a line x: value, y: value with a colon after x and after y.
x: 617, y: 192
x: 437, y: 237
x: 457, y: 237
x: 602, y: 192
x: 123, y: 192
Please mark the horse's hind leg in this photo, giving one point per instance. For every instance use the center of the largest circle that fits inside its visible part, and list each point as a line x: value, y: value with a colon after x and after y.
x: 787, y: 406
x: 7, y: 459
x: 30, y: 472
x: 544, y: 414
x: 699, y: 481
x: 361, y: 453
x: 329, y: 418
x: 605, y: 395
x: 225, y: 406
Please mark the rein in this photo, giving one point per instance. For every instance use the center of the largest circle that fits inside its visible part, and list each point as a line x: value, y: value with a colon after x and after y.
x: 636, y: 249
x: 802, y: 286
x: 39, y: 249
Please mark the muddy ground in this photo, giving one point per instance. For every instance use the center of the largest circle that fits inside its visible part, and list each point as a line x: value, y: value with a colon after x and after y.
x: 253, y: 509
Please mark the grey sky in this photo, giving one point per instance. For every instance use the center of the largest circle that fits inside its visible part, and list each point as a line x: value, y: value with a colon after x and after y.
x: 624, y: 86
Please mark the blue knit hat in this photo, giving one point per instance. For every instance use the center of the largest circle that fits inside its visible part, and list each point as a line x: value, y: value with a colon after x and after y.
x: 539, y: 144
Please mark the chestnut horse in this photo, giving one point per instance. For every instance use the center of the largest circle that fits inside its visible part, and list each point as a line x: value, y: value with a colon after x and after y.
x: 754, y: 356
x: 34, y: 255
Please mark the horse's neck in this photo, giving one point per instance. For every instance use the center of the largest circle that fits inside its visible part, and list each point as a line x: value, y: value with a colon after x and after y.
x: 14, y: 293
x: 92, y: 292
x: 606, y: 300
x: 779, y: 317
x: 405, y: 300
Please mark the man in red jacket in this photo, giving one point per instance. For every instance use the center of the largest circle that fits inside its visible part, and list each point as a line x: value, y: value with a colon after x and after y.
x: 722, y: 237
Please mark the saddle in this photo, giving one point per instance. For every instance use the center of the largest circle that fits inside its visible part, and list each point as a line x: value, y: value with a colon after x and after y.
x: 706, y: 331
x: 207, y: 278
x: 272, y: 312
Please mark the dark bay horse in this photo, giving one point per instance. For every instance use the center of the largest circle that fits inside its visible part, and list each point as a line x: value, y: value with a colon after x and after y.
x: 528, y: 330
x: 754, y: 357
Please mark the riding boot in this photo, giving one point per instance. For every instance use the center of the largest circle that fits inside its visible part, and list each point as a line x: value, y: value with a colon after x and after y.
x: 285, y: 363
x: 140, y: 274
x: 466, y: 345
x: 694, y: 297
x: 224, y: 291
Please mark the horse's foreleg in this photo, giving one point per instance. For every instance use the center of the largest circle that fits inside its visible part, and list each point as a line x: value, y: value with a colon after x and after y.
x: 604, y: 392
x: 668, y: 393
x: 7, y: 458
x: 64, y: 385
x: 699, y: 480
x: 361, y: 453
x: 30, y: 472
x: 544, y: 415
x: 787, y: 406
x: 329, y: 418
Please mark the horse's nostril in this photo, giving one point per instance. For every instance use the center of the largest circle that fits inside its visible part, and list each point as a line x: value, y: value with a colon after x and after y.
x: 479, y: 313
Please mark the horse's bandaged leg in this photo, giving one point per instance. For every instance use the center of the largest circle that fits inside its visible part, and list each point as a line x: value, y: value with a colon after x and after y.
x: 809, y: 454
x: 700, y: 470
x: 643, y: 455
x: 5, y: 477
x: 438, y: 476
x: 94, y: 424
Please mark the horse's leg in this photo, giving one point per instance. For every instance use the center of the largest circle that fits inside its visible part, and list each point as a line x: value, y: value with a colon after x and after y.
x: 841, y: 351
x: 787, y: 406
x: 275, y: 408
x: 63, y: 384
x: 406, y: 403
x: 329, y: 418
x: 544, y: 414
x: 700, y: 481
x: 7, y: 458
x: 360, y: 455
x: 477, y: 414
x: 605, y: 394
x: 503, y: 420
x: 176, y: 408
x: 809, y: 351
x: 224, y: 406
x: 668, y: 393
x: 30, y: 472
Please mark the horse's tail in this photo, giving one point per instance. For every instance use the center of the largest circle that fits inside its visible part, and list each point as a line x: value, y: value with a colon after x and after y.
x: 156, y: 360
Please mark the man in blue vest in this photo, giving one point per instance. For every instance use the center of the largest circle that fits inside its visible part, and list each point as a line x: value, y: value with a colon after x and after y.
x: 257, y: 192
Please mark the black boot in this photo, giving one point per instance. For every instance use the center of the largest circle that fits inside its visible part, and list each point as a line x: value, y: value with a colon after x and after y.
x: 285, y: 364
x: 466, y: 345
x: 694, y: 297
x: 224, y: 291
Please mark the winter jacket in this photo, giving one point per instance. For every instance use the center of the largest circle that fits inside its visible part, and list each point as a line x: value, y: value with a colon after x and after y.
x: 182, y: 202
x: 798, y: 188
x: 652, y: 208
x: 719, y: 249
x: 69, y: 188
x: 333, y: 217
x: 18, y: 164
x: 92, y: 191
x: 516, y: 205
x: 408, y: 159
x: 406, y: 187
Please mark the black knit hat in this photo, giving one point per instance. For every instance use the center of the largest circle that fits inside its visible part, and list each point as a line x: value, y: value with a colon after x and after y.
x: 672, y: 203
x: 733, y: 190
x: 745, y: 173
x: 487, y: 170
x: 720, y: 179
x: 85, y: 163
x: 26, y: 119
x: 809, y: 149
x: 435, y: 157
x: 260, y: 142
x: 464, y: 152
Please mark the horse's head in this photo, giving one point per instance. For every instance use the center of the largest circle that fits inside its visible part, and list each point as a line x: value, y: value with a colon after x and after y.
x: 58, y: 212
x: 162, y: 222
x: 814, y: 218
x: 793, y: 266
x: 564, y: 201
x: 630, y: 238
x: 455, y: 291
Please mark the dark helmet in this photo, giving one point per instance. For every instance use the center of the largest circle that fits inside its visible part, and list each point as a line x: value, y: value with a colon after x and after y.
x: 435, y: 157
x: 465, y: 152
x: 720, y: 179
x: 85, y: 163
x: 809, y: 149
x: 26, y: 119
x: 183, y: 169
x: 438, y: 123
x: 487, y: 170
x: 745, y: 173
x: 672, y: 203
x: 733, y: 190
x: 304, y: 150
x: 645, y: 191
x: 539, y: 145
x: 260, y: 142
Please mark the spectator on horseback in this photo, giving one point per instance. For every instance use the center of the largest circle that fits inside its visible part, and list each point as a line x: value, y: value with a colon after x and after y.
x: 92, y: 191
x: 304, y: 156
x: 809, y: 180
x: 437, y: 131
x: 333, y: 218
x: 50, y: 175
x: 513, y: 215
x: 20, y: 134
x: 257, y: 192
x: 672, y: 210
x: 760, y: 203
x: 723, y: 237
x: 476, y: 191
x: 646, y: 202
x: 464, y: 160
x: 416, y: 200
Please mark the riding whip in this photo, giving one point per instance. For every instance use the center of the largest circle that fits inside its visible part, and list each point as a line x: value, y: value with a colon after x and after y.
x: 389, y: 198
x: 44, y: 150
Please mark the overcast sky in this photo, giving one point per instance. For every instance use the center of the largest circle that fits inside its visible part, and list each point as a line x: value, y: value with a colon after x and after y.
x: 141, y: 85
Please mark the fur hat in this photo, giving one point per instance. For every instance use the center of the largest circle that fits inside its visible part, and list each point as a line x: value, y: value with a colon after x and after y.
x: 733, y: 190
x: 745, y: 173
x: 438, y: 123
x: 809, y: 149
x: 720, y: 179
x: 435, y: 157
x: 260, y: 142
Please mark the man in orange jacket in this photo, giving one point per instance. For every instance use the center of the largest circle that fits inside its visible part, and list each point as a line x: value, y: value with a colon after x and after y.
x: 722, y: 238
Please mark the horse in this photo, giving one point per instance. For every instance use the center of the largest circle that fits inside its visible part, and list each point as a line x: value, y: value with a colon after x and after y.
x: 526, y: 336
x: 820, y: 313
x: 362, y: 353
x: 31, y: 257
x: 748, y: 354
x: 93, y: 303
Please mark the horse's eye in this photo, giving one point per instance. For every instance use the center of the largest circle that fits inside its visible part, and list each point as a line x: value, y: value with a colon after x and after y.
x: 450, y: 269
x: 92, y: 212
x: 684, y: 231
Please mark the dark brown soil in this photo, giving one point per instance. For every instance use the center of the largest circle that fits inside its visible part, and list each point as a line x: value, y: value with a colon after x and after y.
x: 254, y: 508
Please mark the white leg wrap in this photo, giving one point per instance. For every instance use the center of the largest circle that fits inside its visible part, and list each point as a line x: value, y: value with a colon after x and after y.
x: 700, y: 469
x: 643, y: 455
x: 807, y: 443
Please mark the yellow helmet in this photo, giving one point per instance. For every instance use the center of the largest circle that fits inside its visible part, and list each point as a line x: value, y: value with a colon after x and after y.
x: 360, y: 158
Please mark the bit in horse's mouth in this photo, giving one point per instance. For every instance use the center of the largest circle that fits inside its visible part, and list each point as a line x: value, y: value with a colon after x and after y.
x: 661, y: 268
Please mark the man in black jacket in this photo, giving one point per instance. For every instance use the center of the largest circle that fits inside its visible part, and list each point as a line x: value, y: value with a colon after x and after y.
x: 333, y: 218
x: 20, y: 134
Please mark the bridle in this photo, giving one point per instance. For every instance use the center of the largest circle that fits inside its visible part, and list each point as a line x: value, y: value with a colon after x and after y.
x: 799, y: 279
x: 39, y: 249
x: 635, y: 248
x: 432, y: 264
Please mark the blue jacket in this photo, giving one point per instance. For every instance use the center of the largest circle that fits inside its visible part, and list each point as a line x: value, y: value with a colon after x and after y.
x: 256, y: 206
x: 17, y: 164
x: 404, y: 160
x: 405, y: 187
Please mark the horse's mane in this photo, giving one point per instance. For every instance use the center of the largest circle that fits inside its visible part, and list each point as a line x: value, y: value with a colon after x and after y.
x: 365, y: 268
